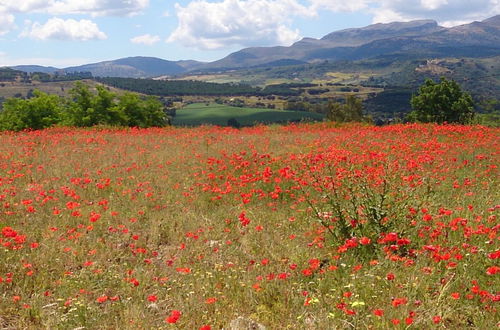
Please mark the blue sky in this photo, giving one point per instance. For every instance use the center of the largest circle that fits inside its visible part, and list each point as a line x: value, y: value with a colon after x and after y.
x: 72, y: 32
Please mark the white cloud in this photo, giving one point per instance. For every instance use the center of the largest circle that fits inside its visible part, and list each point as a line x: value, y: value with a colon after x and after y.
x: 339, y: 6
x: 6, y: 22
x: 433, y: 4
x: 446, y: 12
x: 25, y: 5
x: 145, y: 39
x: 89, y: 7
x: 59, y: 29
x: 212, y: 25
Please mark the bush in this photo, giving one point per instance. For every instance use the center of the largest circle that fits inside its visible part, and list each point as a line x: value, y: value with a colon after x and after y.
x: 233, y: 122
x: 441, y: 102
x: 38, y: 112
x: 83, y: 110
x: 351, y: 111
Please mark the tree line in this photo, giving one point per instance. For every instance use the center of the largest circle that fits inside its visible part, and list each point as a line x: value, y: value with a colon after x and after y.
x: 82, y: 109
x: 196, y: 88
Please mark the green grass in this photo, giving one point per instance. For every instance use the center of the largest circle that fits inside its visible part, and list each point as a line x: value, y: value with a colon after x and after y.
x: 216, y: 114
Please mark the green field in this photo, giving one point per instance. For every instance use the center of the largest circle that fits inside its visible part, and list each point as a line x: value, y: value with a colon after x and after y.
x: 218, y: 114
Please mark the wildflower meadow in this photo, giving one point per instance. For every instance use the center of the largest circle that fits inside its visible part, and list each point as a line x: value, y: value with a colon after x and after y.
x: 307, y: 226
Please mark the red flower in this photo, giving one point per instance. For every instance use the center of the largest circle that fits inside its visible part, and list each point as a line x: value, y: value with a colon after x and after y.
x: 436, y: 319
x: 493, y: 270
x: 183, y: 270
x: 399, y: 301
x: 243, y: 219
x: 494, y: 255
x: 174, y: 316
x: 307, y: 272
x: 94, y: 217
x: 365, y: 241
x: 378, y: 312
x: 210, y: 300
x: 8, y: 232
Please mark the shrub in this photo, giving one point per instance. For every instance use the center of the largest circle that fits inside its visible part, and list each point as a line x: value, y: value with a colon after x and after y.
x: 441, y: 102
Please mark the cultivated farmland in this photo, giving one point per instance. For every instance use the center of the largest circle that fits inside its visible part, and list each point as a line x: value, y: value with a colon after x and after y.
x: 219, y: 114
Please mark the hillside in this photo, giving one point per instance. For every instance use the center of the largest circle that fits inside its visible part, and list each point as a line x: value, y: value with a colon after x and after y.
x: 414, y: 39
x: 36, y: 68
x: 131, y: 67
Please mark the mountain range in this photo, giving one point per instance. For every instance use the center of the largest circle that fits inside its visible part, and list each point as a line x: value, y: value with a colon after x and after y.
x: 414, y: 39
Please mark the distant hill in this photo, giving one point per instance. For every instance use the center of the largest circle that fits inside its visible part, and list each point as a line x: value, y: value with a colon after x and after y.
x: 131, y: 67
x: 361, y: 36
x: 423, y: 38
x: 35, y: 68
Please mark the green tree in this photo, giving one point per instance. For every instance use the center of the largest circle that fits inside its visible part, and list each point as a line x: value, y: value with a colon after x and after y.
x: 105, y: 109
x: 335, y: 112
x: 441, y: 102
x: 142, y: 112
x: 350, y: 111
x: 40, y: 111
x: 86, y: 109
x: 80, y: 107
x: 353, y: 108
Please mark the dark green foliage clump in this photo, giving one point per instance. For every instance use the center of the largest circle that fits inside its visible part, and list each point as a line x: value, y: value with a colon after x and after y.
x: 350, y: 111
x: 84, y: 109
x: 199, y: 88
x: 441, y: 102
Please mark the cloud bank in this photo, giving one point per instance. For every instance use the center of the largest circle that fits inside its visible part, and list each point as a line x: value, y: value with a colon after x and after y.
x: 216, y: 24
x: 212, y: 25
x: 446, y: 12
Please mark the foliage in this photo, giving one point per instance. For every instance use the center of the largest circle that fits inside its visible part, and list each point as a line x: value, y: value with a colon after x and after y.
x: 200, y: 88
x: 177, y: 87
x: 40, y: 111
x: 232, y: 122
x: 441, y: 102
x: 8, y: 74
x: 350, y: 111
x: 142, y: 112
x: 84, y: 109
x: 490, y: 114
x: 66, y: 76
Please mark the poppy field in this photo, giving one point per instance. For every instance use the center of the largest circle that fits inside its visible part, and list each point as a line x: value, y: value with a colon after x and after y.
x: 308, y: 226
